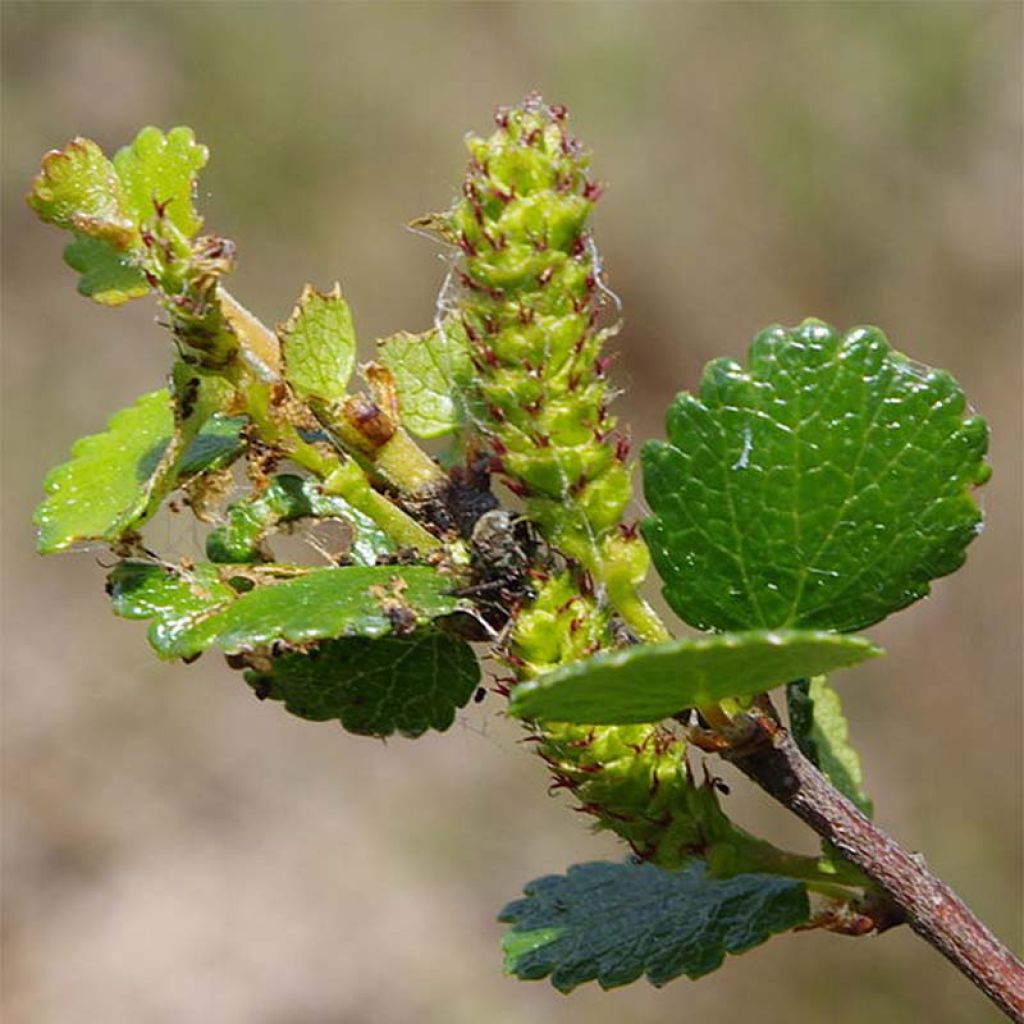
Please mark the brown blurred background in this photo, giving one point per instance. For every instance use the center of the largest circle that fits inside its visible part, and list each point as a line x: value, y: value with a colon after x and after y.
x: 176, y: 851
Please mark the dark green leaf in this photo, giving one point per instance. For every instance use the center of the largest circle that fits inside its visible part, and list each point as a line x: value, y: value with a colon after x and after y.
x: 823, y: 487
x: 218, y: 443
x: 820, y: 730
x: 289, y: 604
x: 405, y: 684
x: 650, y: 682
x: 319, y: 345
x: 615, y: 922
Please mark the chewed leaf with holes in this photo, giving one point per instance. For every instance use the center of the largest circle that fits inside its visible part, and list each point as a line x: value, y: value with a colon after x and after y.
x: 820, y: 730
x: 319, y: 345
x: 404, y: 684
x: 432, y: 372
x: 108, y: 485
x: 158, y: 170
x: 209, y: 605
x: 613, y: 923
x: 823, y: 487
x: 651, y: 682
x: 285, y: 499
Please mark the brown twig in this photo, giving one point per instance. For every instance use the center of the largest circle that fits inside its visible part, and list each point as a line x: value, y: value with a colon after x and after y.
x: 768, y: 755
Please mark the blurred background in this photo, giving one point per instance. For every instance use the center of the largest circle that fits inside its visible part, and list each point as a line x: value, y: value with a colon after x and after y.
x: 176, y: 851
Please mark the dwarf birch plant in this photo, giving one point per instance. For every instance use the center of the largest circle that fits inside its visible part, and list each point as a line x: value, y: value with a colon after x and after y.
x: 798, y: 498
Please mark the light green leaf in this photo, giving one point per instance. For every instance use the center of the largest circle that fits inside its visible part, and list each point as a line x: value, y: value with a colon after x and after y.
x: 819, y: 727
x: 823, y: 487
x: 290, y: 604
x: 405, y: 684
x: 114, y: 481
x: 432, y: 372
x: 650, y: 682
x: 107, y: 486
x: 110, y: 275
x: 162, y: 169
x: 79, y: 190
x: 612, y: 923
x: 319, y: 345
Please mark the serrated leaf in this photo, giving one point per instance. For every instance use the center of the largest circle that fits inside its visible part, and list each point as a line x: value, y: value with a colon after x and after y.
x: 823, y: 487
x: 612, y: 923
x: 108, y: 275
x: 114, y: 480
x: 404, y: 684
x: 78, y: 189
x: 300, y: 608
x: 319, y: 345
x: 654, y: 681
x: 157, y: 169
x: 288, y: 498
x: 819, y: 727
x: 107, y: 485
x: 432, y: 372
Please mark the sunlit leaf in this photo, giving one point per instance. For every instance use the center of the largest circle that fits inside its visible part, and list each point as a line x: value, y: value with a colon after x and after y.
x: 319, y: 345
x: 432, y: 372
x: 78, y: 189
x: 107, y: 486
x: 158, y: 170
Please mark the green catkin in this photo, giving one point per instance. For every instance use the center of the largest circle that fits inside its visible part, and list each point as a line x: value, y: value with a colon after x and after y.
x: 633, y: 779
x: 529, y: 302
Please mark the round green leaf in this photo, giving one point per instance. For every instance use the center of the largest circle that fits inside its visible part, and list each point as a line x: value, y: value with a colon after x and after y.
x: 823, y: 487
